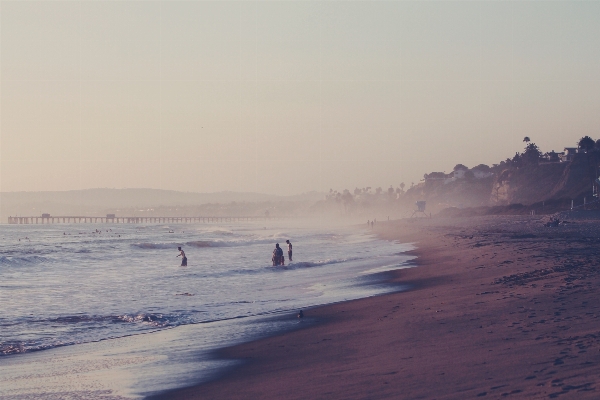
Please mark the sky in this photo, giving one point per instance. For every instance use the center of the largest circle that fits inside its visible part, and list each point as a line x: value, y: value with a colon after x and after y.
x: 285, y: 97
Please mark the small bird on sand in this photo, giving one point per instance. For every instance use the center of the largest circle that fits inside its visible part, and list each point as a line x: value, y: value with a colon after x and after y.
x: 300, y: 314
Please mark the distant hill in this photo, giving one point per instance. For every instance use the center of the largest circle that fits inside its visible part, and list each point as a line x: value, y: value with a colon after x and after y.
x: 100, y: 201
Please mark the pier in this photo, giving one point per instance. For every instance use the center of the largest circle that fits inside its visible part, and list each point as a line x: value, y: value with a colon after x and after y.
x: 112, y: 219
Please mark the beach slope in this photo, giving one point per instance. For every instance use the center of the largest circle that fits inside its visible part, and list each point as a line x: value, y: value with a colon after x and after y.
x: 497, y: 307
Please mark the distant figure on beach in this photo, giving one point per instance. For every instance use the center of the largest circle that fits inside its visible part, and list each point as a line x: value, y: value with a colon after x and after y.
x: 553, y: 222
x: 183, y: 259
x: 277, y: 255
x: 372, y: 223
x: 300, y: 314
x: 289, y: 250
x: 368, y: 224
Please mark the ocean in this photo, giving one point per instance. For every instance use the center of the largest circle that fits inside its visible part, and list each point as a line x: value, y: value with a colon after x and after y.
x: 106, y: 311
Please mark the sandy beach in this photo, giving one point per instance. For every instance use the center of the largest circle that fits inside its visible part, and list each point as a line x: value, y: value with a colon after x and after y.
x: 497, y: 307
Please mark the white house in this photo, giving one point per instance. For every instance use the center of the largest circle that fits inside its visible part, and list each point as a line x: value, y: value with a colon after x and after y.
x: 482, y: 174
x: 460, y: 171
x: 569, y: 154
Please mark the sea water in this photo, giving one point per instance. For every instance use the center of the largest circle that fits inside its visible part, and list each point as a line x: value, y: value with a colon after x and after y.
x: 107, y: 311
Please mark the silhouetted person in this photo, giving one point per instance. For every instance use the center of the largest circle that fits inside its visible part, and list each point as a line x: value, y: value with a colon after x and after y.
x: 289, y: 250
x: 277, y: 255
x: 183, y: 259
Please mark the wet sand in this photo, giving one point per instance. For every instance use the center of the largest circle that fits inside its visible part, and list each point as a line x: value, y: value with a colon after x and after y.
x: 499, y: 307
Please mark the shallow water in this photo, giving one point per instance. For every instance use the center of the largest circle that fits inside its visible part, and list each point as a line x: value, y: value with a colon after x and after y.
x: 64, y: 288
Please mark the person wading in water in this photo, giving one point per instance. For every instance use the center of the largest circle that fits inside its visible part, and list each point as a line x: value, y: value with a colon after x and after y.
x: 277, y: 255
x: 289, y: 250
x: 183, y: 257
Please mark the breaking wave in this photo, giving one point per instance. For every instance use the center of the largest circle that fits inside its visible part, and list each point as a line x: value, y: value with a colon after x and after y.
x: 205, y: 243
x: 208, y: 243
x: 149, y: 246
x: 159, y: 320
x: 145, y: 321
x: 308, y: 264
x: 24, y: 260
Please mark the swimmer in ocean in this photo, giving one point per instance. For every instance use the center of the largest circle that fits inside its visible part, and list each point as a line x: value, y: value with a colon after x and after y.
x: 183, y: 259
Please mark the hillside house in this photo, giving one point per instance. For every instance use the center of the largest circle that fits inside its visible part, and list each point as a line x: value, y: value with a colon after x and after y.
x: 569, y: 154
x: 479, y: 172
x: 482, y: 174
x: 482, y: 171
x: 552, y: 157
x: 460, y: 171
x: 436, y: 176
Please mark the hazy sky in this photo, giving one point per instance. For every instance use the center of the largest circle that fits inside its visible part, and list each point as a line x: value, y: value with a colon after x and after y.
x: 286, y: 96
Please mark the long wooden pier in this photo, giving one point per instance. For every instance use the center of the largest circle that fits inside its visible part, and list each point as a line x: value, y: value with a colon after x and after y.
x: 132, y: 220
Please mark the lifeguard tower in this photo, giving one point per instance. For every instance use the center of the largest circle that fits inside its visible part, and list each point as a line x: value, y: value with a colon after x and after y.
x: 420, y: 208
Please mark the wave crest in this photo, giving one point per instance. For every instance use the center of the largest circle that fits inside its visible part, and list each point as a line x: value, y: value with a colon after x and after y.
x: 154, y: 245
x: 14, y: 261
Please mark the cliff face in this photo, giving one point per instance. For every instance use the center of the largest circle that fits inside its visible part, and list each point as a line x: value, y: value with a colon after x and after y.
x: 577, y: 179
x: 525, y: 185
x: 535, y: 183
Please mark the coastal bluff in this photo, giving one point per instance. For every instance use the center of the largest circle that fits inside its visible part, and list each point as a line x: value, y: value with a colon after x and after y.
x: 550, y: 182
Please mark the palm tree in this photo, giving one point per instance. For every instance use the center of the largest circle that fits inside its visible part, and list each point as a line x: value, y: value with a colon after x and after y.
x: 526, y: 139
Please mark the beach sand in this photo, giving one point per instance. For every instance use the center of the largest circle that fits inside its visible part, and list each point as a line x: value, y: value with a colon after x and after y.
x: 498, y: 307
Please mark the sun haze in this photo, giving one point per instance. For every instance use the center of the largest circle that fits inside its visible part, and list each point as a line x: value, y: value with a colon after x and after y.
x: 286, y: 97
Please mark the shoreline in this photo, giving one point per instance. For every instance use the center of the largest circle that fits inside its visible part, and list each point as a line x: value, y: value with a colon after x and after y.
x: 498, y: 306
x: 154, y: 361
x: 290, y: 324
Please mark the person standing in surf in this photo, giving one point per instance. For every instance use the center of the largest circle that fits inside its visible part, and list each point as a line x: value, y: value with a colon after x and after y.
x: 289, y: 250
x: 183, y: 257
x: 277, y: 255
